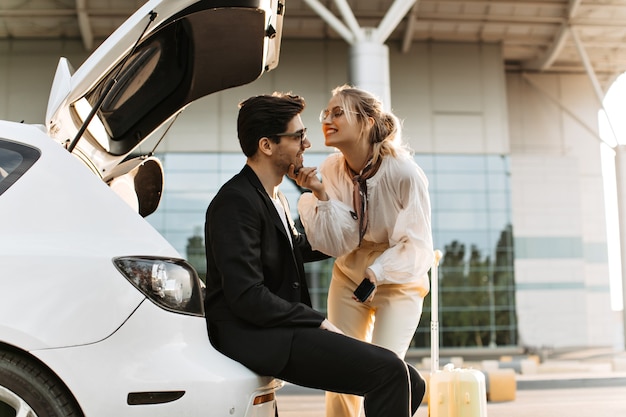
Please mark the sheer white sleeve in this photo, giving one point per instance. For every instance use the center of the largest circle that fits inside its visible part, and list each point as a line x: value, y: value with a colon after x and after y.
x: 410, y: 254
x: 329, y: 225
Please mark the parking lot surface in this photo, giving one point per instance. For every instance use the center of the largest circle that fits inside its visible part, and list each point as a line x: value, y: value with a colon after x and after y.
x: 594, y: 386
x: 570, y: 402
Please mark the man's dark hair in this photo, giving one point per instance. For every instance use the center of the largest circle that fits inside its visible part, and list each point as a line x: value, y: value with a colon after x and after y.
x: 264, y: 116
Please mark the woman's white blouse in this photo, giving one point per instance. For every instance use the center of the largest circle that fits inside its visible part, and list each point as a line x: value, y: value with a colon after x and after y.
x: 399, y: 213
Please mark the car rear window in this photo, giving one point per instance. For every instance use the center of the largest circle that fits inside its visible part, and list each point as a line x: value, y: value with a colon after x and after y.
x: 15, y: 160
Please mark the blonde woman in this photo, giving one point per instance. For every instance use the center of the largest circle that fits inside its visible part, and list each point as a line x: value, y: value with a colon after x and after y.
x: 371, y: 210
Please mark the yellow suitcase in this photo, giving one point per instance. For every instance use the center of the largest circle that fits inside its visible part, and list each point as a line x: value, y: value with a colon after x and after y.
x: 457, y: 392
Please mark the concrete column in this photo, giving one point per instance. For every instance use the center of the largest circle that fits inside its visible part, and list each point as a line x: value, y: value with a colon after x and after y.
x: 620, y: 179
x: 369, y: 69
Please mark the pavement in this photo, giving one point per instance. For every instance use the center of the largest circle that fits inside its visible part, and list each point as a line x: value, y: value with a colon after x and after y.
x: 575, y: 382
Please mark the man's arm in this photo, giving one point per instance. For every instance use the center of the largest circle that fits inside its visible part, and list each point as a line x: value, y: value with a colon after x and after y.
x: 308, y: 254
x: 234, y: 229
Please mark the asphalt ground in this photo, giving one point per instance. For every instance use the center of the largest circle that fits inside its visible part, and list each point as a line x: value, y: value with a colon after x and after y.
x: 585, y: 387
x: 584, y: 400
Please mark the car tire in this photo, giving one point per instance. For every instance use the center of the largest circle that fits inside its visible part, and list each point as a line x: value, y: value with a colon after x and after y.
x: 29, y: 389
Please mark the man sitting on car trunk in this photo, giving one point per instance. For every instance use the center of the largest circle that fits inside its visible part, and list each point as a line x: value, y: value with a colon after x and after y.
x: 257, y: 304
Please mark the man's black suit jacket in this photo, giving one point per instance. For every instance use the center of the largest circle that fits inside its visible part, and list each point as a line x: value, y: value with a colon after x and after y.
x: 256, y: 291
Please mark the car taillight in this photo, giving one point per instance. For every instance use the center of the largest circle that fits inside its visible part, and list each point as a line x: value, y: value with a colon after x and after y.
x: 262, y: 399
x: 171, y: 283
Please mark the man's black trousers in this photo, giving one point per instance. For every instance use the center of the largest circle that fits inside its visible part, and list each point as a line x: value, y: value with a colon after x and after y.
x: 330, y: 361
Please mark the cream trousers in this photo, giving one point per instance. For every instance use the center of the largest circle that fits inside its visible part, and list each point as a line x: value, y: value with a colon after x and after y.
x: 389, y: 320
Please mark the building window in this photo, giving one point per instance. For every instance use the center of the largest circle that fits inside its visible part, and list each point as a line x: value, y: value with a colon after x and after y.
x: 472, y: 226
x: 471, y: 219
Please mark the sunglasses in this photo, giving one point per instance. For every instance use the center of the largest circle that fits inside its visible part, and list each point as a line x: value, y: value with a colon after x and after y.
x: 300, y: 134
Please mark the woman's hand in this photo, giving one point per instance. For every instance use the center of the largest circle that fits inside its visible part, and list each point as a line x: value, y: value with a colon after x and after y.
x: 306, y: 177
x: 369, y: 275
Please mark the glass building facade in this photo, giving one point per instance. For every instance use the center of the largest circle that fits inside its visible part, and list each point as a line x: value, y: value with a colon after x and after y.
x: 471, y: 221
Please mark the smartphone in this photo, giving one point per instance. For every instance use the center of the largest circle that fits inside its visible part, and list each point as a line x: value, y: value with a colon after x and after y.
x: 364, y: 290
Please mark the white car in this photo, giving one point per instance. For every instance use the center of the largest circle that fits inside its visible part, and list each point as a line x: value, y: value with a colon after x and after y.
x: 99, y: 315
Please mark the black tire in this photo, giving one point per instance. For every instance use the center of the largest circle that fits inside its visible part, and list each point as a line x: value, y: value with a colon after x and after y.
x: 28, y: 388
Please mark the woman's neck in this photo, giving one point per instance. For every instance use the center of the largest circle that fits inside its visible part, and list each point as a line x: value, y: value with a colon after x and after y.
x: 357, y: 159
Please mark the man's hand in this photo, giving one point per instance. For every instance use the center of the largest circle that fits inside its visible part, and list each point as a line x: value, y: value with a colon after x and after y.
x: 326, y: 325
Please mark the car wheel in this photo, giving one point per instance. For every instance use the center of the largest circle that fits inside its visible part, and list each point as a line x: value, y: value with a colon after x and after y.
x: 28, y: 389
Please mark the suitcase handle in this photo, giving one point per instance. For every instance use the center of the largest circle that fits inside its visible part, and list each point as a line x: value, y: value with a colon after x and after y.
x: 434, y: 313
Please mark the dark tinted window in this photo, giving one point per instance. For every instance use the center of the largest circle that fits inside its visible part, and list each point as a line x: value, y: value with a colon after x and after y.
x: 15, y: 160
x: 196, y: 54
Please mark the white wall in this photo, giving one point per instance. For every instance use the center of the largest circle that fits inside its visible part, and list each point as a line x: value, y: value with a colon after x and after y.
x: 453, y: 99
x: 26, y: 72
x: 561, y: 258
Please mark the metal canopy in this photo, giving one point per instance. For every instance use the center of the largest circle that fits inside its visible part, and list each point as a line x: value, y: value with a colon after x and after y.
x: 539, y: 35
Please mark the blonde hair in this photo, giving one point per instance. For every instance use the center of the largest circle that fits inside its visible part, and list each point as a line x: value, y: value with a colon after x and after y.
x: 385, y: 135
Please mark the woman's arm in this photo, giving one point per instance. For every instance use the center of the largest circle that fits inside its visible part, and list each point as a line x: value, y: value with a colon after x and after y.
x: 410, y: 253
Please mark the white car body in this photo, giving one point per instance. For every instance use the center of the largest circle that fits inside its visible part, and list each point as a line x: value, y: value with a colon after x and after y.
x: 67, y: 307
